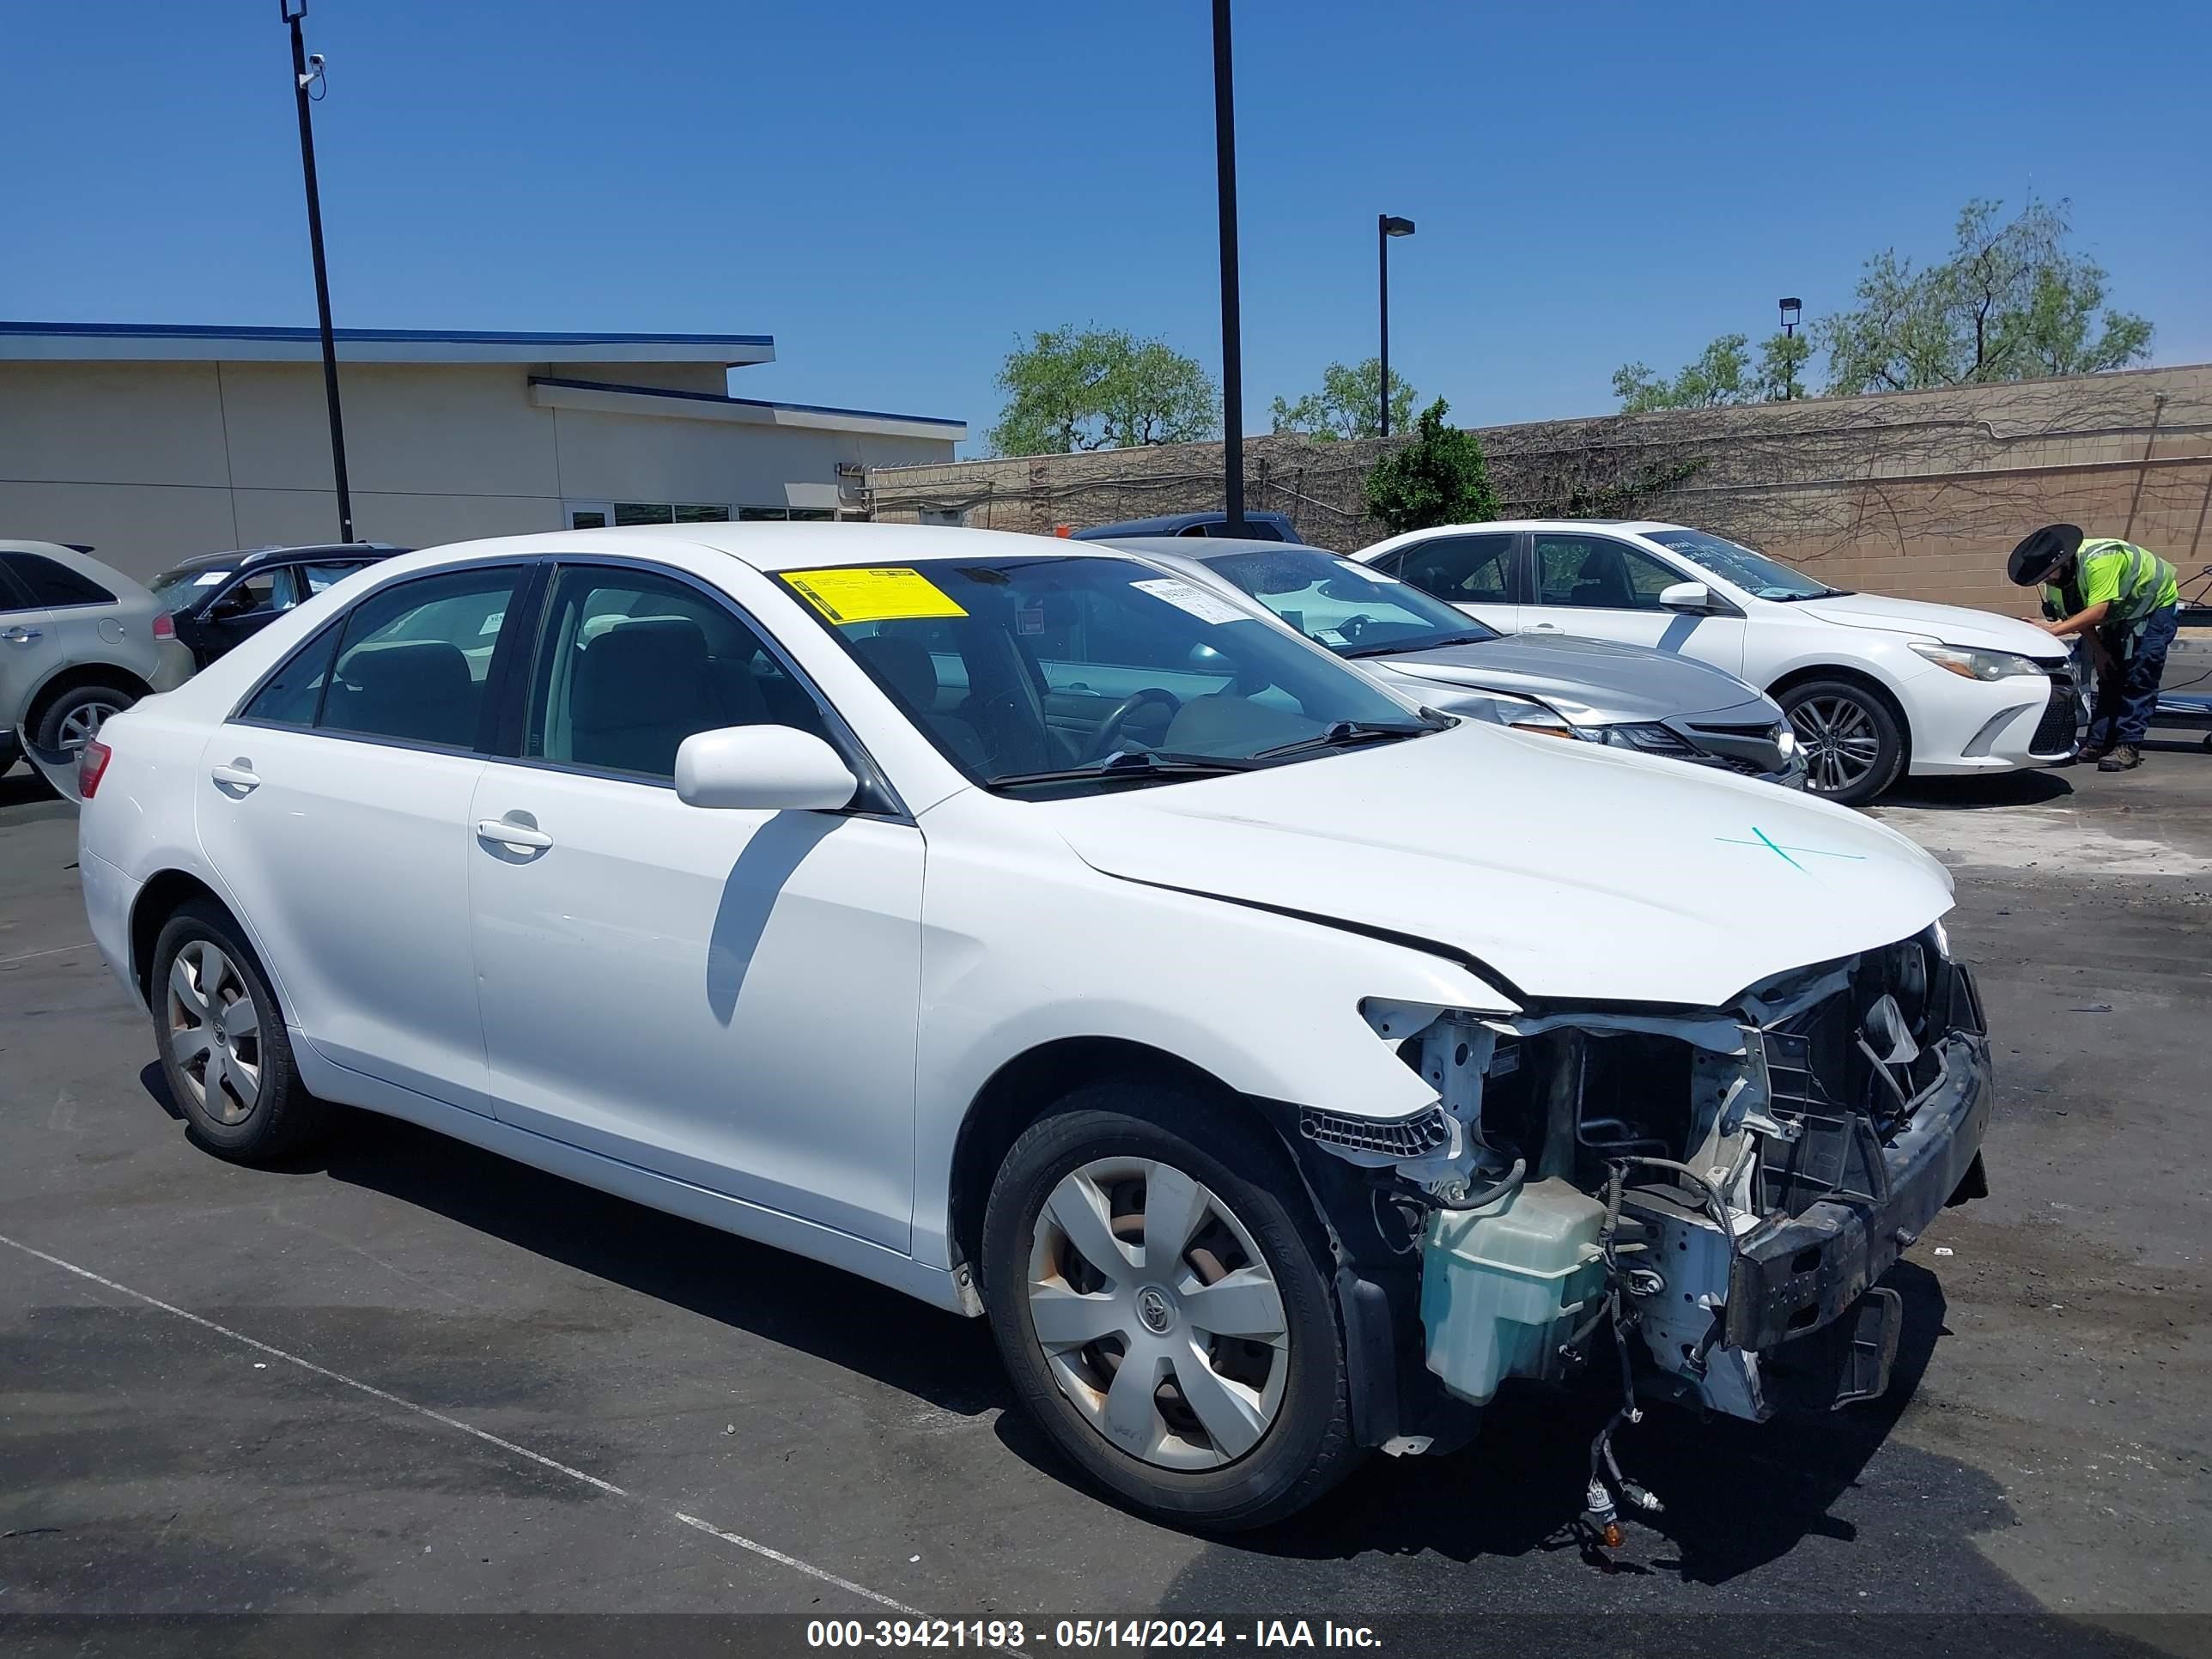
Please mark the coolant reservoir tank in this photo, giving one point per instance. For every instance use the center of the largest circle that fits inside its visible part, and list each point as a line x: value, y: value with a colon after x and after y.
x: 1503, y: 1285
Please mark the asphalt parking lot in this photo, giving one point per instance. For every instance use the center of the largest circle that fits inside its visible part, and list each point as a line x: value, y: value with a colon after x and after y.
x: 409, y: 1377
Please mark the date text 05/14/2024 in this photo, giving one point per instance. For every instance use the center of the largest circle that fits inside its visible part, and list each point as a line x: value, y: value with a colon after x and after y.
x: 1014, y: 1634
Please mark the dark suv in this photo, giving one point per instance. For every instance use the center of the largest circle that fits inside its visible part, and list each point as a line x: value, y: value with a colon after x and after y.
x: 219, y: 600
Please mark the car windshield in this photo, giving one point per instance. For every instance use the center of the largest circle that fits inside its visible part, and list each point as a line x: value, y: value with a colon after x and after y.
x: 1753, y: 572
x: 1059, y: 674
x: 172, y: 587
x: 1353, y: 610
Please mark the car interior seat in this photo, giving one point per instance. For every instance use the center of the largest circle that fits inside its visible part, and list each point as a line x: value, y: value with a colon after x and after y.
x: 420, y: 689
x: 1603, y: 581
x: 639, y: 689
x: 905, y: 667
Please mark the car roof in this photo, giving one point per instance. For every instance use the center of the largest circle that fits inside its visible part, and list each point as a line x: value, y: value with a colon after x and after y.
x: 245, y: 558
x: 771, y: 546
x: 1167, y: 524
x: 1208, y: 549
x: 123, y: 584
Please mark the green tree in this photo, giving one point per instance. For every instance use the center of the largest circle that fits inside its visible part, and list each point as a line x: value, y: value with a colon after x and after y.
x: 1348, y: 405
x: 1782, y: 360
x: 1437, y: 478
x: 1092, y: 388
x: 1722, y: 373
x: 2010, y: 302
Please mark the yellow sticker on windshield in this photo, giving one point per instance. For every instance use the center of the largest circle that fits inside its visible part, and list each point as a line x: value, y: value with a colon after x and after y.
x: 874, y: 595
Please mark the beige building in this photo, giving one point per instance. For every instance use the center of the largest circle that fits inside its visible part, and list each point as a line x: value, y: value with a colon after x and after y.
x: 151, y: 443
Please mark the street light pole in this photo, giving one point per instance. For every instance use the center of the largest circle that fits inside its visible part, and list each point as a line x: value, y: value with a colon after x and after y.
x: 1232, y: 347
x: 1386, y: 227
x: 302, y: 78
x: 1791, y: 310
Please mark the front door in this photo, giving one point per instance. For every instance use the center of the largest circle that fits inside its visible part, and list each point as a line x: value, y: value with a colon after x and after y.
x: 1600, y: 587
x: 335, y: 809
x: 727, y: 997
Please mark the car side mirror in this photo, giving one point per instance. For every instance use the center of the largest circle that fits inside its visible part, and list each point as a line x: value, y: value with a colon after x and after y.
x: 1693, y: 597
x: 762, y: 768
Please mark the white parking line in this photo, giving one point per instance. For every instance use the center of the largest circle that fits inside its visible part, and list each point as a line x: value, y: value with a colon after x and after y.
x: 440, y: 1418
x: 58, y: 951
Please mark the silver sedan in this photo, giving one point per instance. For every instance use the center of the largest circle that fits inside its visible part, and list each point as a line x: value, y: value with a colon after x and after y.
x: 1623, y: 696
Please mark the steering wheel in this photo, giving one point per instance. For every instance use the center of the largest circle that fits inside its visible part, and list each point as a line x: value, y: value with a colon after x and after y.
x: 1109, y: 729
x: 1352, y: 628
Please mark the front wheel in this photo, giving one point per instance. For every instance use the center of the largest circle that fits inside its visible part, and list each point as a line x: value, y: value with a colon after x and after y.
x: 1853, y: 744
x: 1162, y: 1307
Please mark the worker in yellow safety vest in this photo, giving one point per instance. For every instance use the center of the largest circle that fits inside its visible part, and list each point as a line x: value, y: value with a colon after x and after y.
x: 2125, y: 602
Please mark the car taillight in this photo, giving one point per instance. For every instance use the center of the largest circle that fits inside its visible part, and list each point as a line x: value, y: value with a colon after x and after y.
x: 165, y: 627
x: 91, y: 766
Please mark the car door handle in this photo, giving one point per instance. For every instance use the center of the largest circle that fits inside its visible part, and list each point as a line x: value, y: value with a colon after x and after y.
x: 19, y: 635
x: 505, y: 832
x: 238, y: 778
x: 1543, y: 627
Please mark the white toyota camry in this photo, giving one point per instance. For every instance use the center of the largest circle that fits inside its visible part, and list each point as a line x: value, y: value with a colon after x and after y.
x: 1278, y: 1066
x: 1876, y: 687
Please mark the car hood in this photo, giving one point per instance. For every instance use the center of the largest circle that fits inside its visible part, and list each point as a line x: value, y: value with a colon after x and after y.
x: 1952, y: 624
x: 1609, y: 681
x: 1571, y: 872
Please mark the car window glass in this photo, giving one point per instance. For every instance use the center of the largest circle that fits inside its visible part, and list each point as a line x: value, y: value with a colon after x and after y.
x: 630, y: 664
x: 49, y: 582
x: 414, y: 657
x: 1599, y: 573
x: 1346, y: 606
x: 316, y: 577
x: 289, y: 696
x: 258, y: 593
x: 1461, y: 569
x: 13, y: 595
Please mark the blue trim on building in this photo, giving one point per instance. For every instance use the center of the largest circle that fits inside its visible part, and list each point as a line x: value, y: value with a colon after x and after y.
x: 386, y: 335
x: 749, y: 402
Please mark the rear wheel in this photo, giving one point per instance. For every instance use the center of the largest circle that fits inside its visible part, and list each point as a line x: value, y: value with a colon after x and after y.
x: 1161, y: 1306
x: 1853, y: 743
x: 77, y: 715
x: 222, y: 1043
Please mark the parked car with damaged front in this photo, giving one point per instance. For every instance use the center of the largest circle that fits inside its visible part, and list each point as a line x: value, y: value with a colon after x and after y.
x: 1280, y: 1067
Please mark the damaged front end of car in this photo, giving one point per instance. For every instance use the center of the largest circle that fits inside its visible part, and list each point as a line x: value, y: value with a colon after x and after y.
x: 1700, y: 1199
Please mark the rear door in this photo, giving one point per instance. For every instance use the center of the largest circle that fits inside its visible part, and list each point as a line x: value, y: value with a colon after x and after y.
x: 335, y: 807
x: 1473, y: 570
x: 1601, y: 587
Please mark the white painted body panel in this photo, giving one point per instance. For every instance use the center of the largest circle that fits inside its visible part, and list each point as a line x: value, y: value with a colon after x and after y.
x: 1773, y: 640
x: 777, y: 1023
x: 727, y: 996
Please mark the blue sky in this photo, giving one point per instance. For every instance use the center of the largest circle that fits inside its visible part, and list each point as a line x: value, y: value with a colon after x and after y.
x: 897, y: 191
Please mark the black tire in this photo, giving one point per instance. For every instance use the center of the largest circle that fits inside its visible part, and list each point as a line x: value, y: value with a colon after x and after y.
x: 9, y: 752
x: 55, y: 721
x: 282, y: 1118
x: 1827, y: 715
x: 1308, y: 1446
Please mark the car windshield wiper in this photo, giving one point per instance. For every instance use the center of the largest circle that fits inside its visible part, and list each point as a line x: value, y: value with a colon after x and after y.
x: 1398, y: 647
x: 1346, y: 733
x: 1133, y: 764
x: 1796, y: 598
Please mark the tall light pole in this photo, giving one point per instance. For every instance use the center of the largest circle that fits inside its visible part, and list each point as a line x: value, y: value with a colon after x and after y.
x: 1232, y: 345
x: 1791, y: 310
x: 303, y: 77
x: 1386, y: 227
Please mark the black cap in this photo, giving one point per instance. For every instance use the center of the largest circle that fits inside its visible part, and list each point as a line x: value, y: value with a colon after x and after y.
x: 2043, y: 552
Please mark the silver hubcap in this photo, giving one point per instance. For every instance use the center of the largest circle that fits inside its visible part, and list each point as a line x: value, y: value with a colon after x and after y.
x: 1841, y: 745
x: 83, y: 722
x: 1157, y: 1315
x: 214, y: 1033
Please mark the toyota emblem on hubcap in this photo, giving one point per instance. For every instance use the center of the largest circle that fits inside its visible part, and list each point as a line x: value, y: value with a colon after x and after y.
x: 1154, y: 1308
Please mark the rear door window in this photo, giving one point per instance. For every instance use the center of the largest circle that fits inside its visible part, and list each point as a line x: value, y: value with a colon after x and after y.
x: 414, y: 658
x: 52, y: 584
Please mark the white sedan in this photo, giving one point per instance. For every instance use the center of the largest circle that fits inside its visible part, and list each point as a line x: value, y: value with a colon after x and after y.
x: 1279, y: 1066
x: 1876, y: 687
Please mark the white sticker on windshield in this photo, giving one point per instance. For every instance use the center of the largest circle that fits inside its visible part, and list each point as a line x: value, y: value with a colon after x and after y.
x: 211, y: 579
x: 1186, y: 596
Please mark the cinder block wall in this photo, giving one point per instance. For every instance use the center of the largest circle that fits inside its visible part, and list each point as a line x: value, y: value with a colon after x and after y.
x: 1917, y: 493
